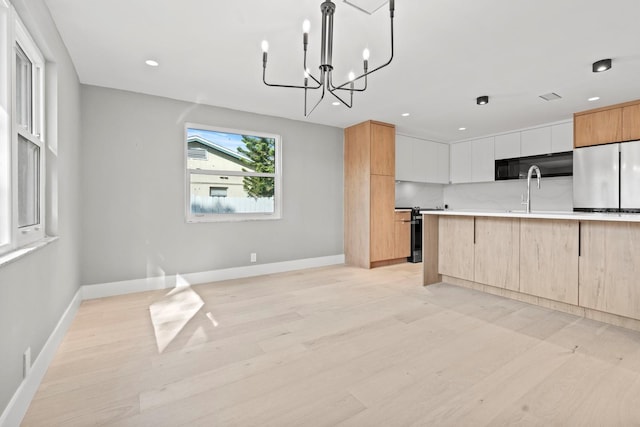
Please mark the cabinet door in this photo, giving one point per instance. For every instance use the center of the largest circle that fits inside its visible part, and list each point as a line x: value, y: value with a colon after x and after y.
x: 404, y: 158
x: 382, y: 218
x: 460, y: 162
x: 629, y: 176
x: 535, y: 141
x: 402, y: 235
x: 562, y: 137
x: 507, y: 146
x: 600, y: 127
x: 455, y: 251
x: 549, y: 259
x: 631, y: 122
x: 442, y: 167
x: 383, y: 149
x: 497, y: 252
x: 610, y: 267
x: 482, y: 160
x: 424, y: 160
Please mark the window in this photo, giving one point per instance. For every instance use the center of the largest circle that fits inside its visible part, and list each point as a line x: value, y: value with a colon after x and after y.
x: 218, y: 191
x: 22, y: 142
x: 238, y: 176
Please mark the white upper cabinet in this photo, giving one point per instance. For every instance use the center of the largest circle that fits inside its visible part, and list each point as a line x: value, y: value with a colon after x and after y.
x: 535, y: 141
x: 404, y: 158
x: 442, y: 175
x: 482, y: 160
x: 419, y: 160
x: 472, y: 161
x: 460, y: 162
x: 424, y: 161
x: 507, y: 146
x: 562, y: 137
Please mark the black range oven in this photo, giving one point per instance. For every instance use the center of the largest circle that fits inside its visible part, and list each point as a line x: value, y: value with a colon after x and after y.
x: 416, y: 235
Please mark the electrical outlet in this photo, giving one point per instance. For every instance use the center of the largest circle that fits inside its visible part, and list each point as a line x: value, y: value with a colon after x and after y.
x: 254, y: 257
x: 26, y: 362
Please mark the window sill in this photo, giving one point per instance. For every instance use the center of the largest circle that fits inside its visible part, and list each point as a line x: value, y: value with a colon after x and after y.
x: 16, y: 254
x: 229, y: 218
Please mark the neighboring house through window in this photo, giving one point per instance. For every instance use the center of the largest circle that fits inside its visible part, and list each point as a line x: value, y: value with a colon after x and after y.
x: 232, y: 174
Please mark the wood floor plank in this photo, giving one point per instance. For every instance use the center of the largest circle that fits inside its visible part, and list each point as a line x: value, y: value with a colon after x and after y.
x: 336, y: 346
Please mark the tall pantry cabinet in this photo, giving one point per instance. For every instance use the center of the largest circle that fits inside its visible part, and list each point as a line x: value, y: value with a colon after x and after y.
x: 369, y: 197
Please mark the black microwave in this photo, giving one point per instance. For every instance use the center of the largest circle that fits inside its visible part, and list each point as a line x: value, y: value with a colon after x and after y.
x: 554, y: 164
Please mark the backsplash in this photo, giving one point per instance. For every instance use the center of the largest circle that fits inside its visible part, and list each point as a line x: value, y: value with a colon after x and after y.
x: 410, y: 194
x: 554, y: 194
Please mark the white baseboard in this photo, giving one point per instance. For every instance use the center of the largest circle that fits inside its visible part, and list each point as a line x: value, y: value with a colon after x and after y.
x: 139, y: 285
x: 19, y: 403
x: 16, y: 409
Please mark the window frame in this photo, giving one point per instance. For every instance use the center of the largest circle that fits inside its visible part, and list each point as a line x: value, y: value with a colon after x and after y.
x: 231, y: 217
x: 16, y: 36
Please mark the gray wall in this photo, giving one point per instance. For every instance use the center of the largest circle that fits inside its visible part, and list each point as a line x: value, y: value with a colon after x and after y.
x: 133, y: 191
x: 36, y: 289
x: 554, y: 194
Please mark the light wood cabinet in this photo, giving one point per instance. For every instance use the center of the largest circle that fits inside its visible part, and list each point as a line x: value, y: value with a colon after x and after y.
x: 382, y: 226
x: 369, y: 193
x: 610, y: 267
x: 402, y: 246
x: 456, y: 248
x: 599, y: 127
x: 383, y: 149
x: 589, y: 268
x: 631, y: 122
x: 497, y: 252
x: 615, y: 123
x: 549, y: 259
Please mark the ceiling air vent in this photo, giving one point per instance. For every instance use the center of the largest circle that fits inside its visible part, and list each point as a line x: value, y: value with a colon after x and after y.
x: 367, y: 6
x: 550, y: 96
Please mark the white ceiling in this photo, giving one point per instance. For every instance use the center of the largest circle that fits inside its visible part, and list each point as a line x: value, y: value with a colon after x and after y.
x: 448, y: 52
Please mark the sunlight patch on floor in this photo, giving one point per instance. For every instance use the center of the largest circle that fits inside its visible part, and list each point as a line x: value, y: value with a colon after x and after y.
x: 170, y: 315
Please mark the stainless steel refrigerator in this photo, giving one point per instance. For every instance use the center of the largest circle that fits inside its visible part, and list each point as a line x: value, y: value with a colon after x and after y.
x: 607, y: 177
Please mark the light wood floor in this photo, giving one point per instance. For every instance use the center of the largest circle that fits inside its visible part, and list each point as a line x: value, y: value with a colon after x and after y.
x: 337, y: 346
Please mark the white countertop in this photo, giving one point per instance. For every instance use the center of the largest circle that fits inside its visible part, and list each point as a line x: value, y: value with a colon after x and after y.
x: 576, y: 216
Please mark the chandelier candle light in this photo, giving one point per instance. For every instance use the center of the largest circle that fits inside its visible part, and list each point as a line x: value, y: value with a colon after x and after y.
x: 325, y: 80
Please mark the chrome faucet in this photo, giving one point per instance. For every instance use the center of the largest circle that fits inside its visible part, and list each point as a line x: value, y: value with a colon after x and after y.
x: 527, y: 202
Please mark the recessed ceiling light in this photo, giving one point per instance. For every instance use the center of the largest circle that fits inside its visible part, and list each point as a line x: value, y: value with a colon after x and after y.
x: 336, y: 103
x: 482, y: 100
x: 593, y: 98
x: 462, y: 128
x: 151, y: 63
x: 405, y: 114
x: 600, y: 66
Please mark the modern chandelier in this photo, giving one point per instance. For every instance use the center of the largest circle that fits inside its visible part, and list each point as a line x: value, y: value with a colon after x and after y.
x: 325, y: 80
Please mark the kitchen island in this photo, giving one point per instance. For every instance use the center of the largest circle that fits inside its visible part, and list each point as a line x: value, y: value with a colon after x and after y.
x: 586, y: 264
